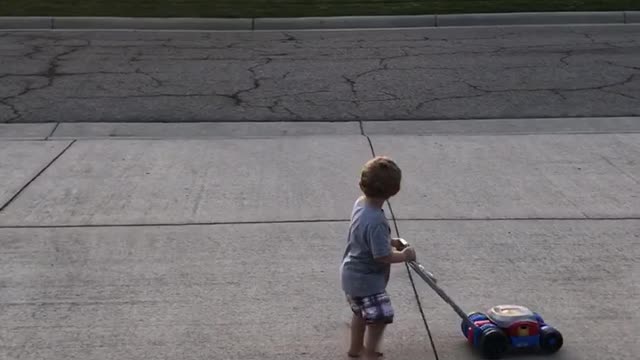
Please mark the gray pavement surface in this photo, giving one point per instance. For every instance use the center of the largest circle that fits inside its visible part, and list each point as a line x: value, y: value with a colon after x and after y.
x: 237, y: 130
x: 214, y: 129
x: 581, y: 275
x: 556, y: 176
x: 310, y: 177
x: 415, y: 74
x: 22, y: 161
x: 26, y: 131
x: 268, y: 291
x: 229, y: 248
x: 494, y: 126
x: 184, y: 181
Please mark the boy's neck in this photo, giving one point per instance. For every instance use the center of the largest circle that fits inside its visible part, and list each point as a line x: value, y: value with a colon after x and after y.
x: 373, y: 202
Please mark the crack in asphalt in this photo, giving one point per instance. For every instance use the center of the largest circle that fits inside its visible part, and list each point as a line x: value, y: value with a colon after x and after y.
x: 278, y: 103
x: 144, y: 96
x: 391, y: 95
x: 567, y: 55
x: 34, y: 51
x: 620, y: 94
x: 208, y: 58
x: 559, y: 94
x: 589, y: 37
x: 275, y: 104
x: 608, y: 62
x: 289, y: 38
x: 352, y: 85
x: 295, y: 94
x: 236, y: 96
x: 157, y: 82
x: 616, y: 44
x: 52, y: 69
x: 381, y: 66
x: 14, y: 110
x: 210, y: 47
x: 555, y: 91
x: 49, y: 74
x: 444, y: 98
x: 493, y: 51
x: 629, y: 79
x: 70, y: 74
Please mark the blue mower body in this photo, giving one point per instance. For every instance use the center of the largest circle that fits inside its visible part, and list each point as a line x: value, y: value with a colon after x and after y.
x: 501, y: 327
x: 510, y: 326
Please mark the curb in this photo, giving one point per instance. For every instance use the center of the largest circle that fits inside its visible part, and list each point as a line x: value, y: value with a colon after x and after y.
x: 345, y: 22
x: 150, y: 23
x: 310, y: 23
x: 533, y: 18
x: 180, y: 130
x: 244, y: 130
x: 35, y: 22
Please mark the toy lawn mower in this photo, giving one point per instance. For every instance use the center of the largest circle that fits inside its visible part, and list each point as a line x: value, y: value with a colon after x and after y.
x: 501, y: 327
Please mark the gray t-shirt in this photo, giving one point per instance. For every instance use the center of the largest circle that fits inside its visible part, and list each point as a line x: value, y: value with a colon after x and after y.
x: 369, y: 237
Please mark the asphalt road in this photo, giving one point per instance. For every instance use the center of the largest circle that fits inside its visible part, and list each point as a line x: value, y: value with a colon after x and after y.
x: 442, y: 73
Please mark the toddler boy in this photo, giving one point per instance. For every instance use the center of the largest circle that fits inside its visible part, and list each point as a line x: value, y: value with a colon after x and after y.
x: 367, y: 258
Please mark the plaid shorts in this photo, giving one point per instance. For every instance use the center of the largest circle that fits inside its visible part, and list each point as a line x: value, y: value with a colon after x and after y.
x: 375, y: 309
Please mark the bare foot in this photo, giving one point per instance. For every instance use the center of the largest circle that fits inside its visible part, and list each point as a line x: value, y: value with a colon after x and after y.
x: 376, y: 354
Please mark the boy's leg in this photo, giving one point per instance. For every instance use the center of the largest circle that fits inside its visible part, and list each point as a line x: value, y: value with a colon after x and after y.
x: 358, y: 327
x: 372, y: 340
x: 379, y: 313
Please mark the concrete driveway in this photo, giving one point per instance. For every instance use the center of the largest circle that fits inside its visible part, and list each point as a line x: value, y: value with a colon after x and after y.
x: 228, y: 248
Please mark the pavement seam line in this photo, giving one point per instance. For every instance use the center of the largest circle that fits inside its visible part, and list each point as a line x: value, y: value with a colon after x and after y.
x: 242, y: 137
x: 567, y: 218
x: 53, y: 131
x: 293, y: 221
x: 206, y: 223
x: 25, y: 186
x: 413, y: 285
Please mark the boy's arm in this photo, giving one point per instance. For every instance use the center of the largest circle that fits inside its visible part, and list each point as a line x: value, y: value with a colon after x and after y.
x: 381, y: 249
x: 396, y: 256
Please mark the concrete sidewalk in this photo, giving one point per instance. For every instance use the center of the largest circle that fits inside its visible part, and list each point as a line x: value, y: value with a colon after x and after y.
x: 243, y: 130
x: 228, y: 248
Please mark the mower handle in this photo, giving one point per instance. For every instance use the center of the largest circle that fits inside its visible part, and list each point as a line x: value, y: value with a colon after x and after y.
x: 432, y: 281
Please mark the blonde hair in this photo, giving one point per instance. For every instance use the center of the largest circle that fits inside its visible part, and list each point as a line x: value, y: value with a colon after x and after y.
x: 380, y: 178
